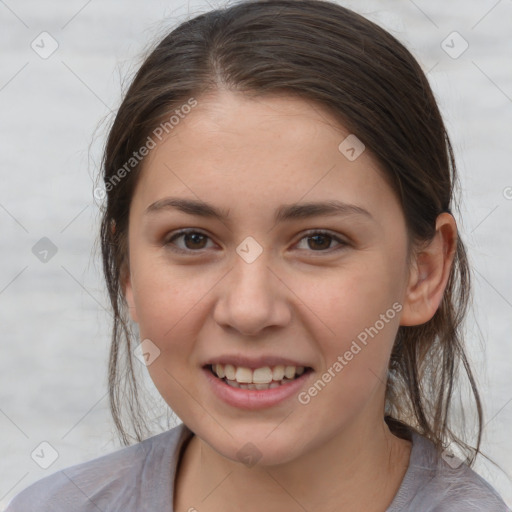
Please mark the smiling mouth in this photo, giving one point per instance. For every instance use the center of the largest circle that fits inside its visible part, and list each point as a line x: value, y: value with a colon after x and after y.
x: 258, y: 379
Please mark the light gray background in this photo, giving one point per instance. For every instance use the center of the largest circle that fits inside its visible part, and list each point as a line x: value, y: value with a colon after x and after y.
x: 55, y: 330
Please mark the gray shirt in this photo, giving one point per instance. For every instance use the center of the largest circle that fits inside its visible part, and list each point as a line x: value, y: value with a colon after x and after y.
x: 140, y: 478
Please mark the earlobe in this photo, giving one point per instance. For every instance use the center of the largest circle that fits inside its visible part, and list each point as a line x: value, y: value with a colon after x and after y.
x: 429, y: 276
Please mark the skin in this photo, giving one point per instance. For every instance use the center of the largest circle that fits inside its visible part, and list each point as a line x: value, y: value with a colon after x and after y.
x: 299, y: 299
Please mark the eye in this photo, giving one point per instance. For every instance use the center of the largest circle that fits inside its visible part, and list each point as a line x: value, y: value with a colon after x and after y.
x: 322, y: 240
x: 195, y: 241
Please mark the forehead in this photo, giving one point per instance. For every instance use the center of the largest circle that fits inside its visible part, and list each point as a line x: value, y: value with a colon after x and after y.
x: 258, y: 151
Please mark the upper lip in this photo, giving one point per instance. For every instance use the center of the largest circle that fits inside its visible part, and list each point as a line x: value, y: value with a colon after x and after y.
x: 254, y: 362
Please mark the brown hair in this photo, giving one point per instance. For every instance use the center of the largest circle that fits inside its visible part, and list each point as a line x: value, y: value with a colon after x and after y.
x: 321, y: 52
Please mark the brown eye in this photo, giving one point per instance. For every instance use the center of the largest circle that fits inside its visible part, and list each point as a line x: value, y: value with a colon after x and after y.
x: 195, y: 241
x: 192, y: 240
x: 320, y: 241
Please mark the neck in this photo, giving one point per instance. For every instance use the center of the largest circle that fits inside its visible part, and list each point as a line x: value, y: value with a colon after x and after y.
x: 357, y: 469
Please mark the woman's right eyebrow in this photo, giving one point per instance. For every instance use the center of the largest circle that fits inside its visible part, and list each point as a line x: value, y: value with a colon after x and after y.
x: 284, y: 213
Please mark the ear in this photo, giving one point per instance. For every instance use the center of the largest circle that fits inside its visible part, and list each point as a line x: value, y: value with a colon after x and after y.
x: 129, y: 295
x: 430, y: 273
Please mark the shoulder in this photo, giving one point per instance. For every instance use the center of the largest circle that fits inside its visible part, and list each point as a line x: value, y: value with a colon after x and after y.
x: 439, y: 484
x: 117, y: 481
x: 462, y: 490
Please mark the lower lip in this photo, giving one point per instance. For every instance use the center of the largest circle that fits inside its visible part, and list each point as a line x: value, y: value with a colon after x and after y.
x: 253, y: 399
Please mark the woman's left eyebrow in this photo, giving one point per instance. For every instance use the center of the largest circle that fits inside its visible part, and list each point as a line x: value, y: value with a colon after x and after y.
x: 283, y: 213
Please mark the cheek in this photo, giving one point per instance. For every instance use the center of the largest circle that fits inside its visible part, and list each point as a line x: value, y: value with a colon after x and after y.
x: 162, y: 294
x: 359, y: 308
x: 352, y: 298
x: 170, y: 303
x: 361, y: 317
x: 167, y: 306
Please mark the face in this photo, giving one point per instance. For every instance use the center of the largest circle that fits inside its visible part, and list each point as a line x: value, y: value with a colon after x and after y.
x: 271, y: 282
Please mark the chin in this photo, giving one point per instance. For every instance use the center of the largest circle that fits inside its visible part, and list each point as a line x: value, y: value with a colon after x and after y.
x: 255, y: 446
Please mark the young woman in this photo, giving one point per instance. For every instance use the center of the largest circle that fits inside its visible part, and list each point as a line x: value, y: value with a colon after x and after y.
x: 279, y: 228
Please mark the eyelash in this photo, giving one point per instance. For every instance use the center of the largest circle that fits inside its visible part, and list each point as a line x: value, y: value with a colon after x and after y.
x: 308, y: 234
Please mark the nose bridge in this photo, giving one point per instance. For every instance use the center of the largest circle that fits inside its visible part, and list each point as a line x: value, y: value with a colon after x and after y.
x: 252, y: 297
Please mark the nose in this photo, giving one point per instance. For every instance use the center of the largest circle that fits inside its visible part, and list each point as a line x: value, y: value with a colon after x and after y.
x: 252, y: 297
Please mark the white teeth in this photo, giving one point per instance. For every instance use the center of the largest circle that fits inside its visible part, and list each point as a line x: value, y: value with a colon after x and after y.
x: 278, y: 372
x: 229, y: 371
x: 260, y: 378
x: 243, y: 375
x: 289, y: 372
x: 262, y: 375
x: 219, y: 370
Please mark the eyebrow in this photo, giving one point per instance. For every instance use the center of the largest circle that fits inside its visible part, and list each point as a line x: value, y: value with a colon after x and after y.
x: 285, y: 212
